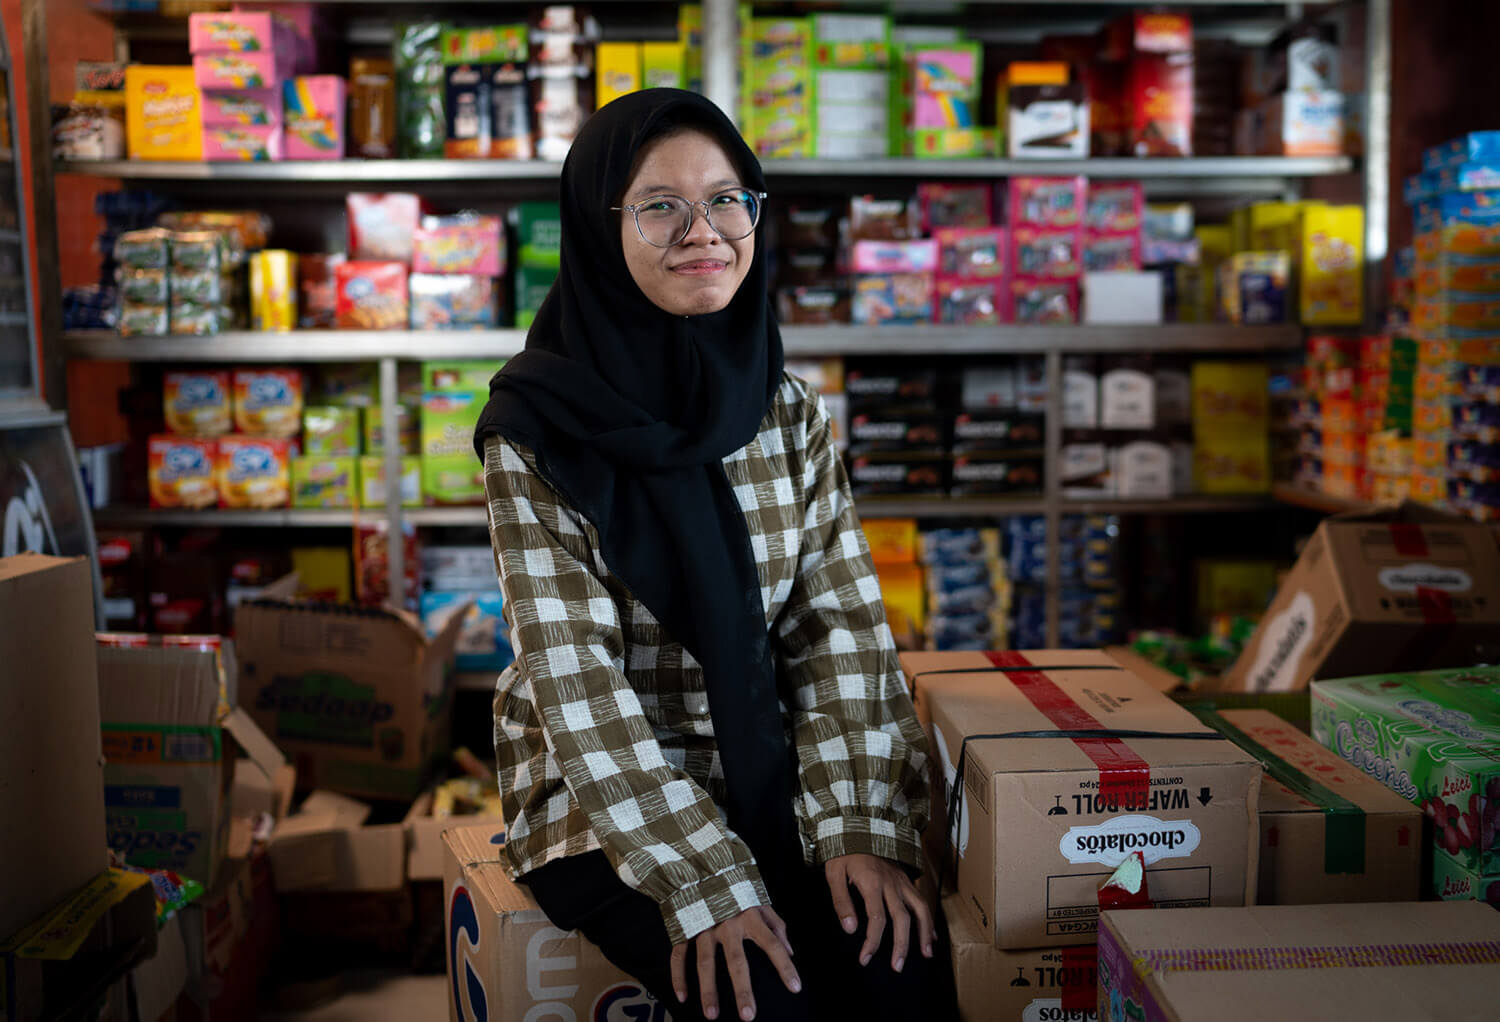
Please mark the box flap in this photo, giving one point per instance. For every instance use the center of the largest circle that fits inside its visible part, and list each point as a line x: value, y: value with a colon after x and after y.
x: 158, y: 980
x: 284, y: 588
x: 302, y: 851
x: 29, y: 563
x: 347, y: 813
x: 161, y: 685
x: 424, y: 837
x: 1159, y: 678
x: 1406, y: 511
x: 475, y: 843
x: 441, y: 648
x: 259, y: 748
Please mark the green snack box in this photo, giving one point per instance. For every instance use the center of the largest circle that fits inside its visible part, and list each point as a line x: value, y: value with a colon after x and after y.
x: 532, y: 285
x: 851, y: 40
x: 451, y: 472
x: 494, y: 44
x: 1431, y: 737
x: 323, y: 482
x: 329, y: 431
x: 690, y: 32
x: 459, y: 375
x: 662, y: 65
x: 372, y: 481
x: 538, y: 227
x: 1451, y: 882
x: 407, y: 425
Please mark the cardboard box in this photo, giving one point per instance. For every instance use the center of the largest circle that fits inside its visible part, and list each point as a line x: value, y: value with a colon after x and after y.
x: 168, y: 767
x: 1328, y: 833
x: 359, y: 701
x: 50, y: 765
x: 424, y: 836
x: 1018, y: 986
x: 163, y: 113
x: 230, y: 935
x: 1398, y: 589
x: 1301, y: 962
x: 506, y: 961
x: 1451, y: 882
x: 1434, y: 739
x: 328, y: 846
x: 1062, y: 813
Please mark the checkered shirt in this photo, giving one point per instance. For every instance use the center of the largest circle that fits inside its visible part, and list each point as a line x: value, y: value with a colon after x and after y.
x: 602, y: 729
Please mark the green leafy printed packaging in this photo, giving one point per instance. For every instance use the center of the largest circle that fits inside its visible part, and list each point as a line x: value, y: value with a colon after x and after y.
x: 538, y: 227
x: 330, y: 431
x: 532, y: 285
x: 1431, y: 737
x: 319, y: 481
x: 407, y: 428
x: 451, y: 472
x: 1451, y: 882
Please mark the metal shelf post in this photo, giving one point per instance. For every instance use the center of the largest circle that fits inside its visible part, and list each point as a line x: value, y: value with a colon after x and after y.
x: 390, y: 435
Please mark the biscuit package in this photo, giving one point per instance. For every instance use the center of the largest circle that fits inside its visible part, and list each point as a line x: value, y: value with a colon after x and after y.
x: 371, y: 296
x: 253, y: 472
x: 268, y: 402
x: 197, y: 403
x: 180, y: 471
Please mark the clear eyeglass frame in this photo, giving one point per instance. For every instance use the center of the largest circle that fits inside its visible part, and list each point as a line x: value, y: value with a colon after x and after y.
x: 693, y: 207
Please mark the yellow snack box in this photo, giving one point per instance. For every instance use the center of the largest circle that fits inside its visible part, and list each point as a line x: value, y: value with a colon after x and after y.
x: 254, y: 472
x: 662, y: 65
x: 268, y: 402
x: 273, y: 290
x: 1333, y: 265
x: 197, y: 403
x: 619, y: 70
x: 323, y: 482
x: 905, y: 598
x: 372, y: 480
x: 163, y: 113
x: 892, y: 540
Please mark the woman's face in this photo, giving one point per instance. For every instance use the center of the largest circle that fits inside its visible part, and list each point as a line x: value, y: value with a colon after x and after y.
x: 702, y: 272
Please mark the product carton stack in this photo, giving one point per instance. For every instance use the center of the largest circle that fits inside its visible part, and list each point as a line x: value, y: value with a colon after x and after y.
x: 851, y: 86
x: 1070, y: 765
x: 1434, y: 739
x: 240, y: 62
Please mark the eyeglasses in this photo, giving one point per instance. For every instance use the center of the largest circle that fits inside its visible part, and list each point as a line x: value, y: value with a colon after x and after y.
x: 664, y: 220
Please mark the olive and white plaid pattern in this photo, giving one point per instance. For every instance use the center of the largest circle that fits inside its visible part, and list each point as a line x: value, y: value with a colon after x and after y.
x: 602, y: 727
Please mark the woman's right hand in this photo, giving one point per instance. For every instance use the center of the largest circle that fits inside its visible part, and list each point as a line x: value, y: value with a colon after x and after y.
x: 760, y: 925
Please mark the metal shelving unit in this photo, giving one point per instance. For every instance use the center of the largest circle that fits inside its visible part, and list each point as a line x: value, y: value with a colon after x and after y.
x: 1212, y: 176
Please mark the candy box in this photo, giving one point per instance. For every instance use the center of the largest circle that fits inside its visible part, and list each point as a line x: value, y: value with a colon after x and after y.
x: 248, y: 107
x: 329, y: 431
x: 946, y: 206
x: 452, y: 301
x: 251, y: 70
x: 893, y: 298
x: 1115, y: 206
x: 408, y: 429
x: 946, y: 87
x: 483, y: 638
x: 371, y: 296
x: 382, y: 226
x: 268, y: 402
x: 1048, y: 122
x: 372, y: 481
x: 163, y: 113
x: 1253, y: 287
x: 851, y: 40
x: 1046, y: 253
x: 197, y: 403
x: 238, y: 32
x: 1046, y: 201
x: 468, y: 243
x: 1036, y: 301
x: 253, y: 472
x: 1473, y: 147
x: 320, y: 481
x: 1451, y: 882
x: 895, y: 256
x: 314, y: 106
x: 1434, y: 739
x: 899, y: 475
x: 971, y: 253
x: 242, y: 143
x: 1159, y: 98
x: 971, y: 302
x: 180, y: 471
x: 450, y: 472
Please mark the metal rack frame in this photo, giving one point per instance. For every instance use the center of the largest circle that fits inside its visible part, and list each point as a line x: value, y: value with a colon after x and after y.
x: 1193, y: 176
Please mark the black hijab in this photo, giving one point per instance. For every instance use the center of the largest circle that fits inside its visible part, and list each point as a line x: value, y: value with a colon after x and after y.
x: 629, y: 411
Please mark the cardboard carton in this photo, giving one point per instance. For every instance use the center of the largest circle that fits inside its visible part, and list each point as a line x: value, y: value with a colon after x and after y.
x: 359, y: 699
x: 1301, y: 962
x: 506, y: 962
x: 1328, y: 833
x: 168, y: 767
x: 1401, y: 589
x: 424, y: 836
x: 1044, y: 820
x: 1017, y: 986
x: 50, y: 775
x: 327, y: 846
x: 230, y: 935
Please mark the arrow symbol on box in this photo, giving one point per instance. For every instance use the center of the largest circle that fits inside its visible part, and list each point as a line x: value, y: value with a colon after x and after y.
x: 1205, y: 796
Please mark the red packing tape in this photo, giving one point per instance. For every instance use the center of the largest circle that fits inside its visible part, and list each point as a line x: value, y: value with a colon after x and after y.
x: 1408, y: 539
x: 1080, y: 978
x: 1123, y: 775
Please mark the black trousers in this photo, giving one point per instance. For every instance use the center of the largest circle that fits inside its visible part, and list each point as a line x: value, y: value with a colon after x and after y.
x: 583, y: 893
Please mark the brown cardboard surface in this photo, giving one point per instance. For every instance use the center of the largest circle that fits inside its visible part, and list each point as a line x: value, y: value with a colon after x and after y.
x: 157, y: 981
x: 1137, y: 981
x: 1293, y: 829
x: 1159, y: 678
x: 357, y: 698
x: 1013, y: 986
x: 503, y: 952
x: 1037, y: 837
x: 1358, y: 601
x: 424, y: 837
x: 326, y: 846
x: 50, y: 762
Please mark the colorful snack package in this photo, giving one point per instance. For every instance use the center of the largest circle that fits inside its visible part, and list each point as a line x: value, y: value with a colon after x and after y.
x: 147, y: 249
x: 197, y: 403
x: 145, y: 287
x: 895, y: 256
x: 199, y: 287
x: 198, y: 320
x: 199, y: 250
x: 372, y: 296
x: 314, y: 117
x: 971, y: 302
x: 143, y: 321
x: 268, y: 402
x: 1051, y: 254
x: 262, y: 70
x: 382, y: 225
x: 813, y: 305
x: 971, y: 252
x: 236, y: 32
x: 1046, y: 201
x: 317, y: 290
x: 872, y: 219
x: 467, y: 243
x: 1044, y: 301
x: 372, y: 480
x: 893, y: 298
x: 452, y: 301
x: 242, y: 230
x: 323, y: 482
x: 954, y: 205
x: 273, y: 290
x: 450, y: 472
x: 242, y: 143
x: 1115, y: 206
x: 329, y: 431
x: 253, y: 472
x: 163, y: 113
x: 1107, y: 253
x: 408, y: 428
x: 372, y: 564
x: 247, y: 108
x: 180, y: 471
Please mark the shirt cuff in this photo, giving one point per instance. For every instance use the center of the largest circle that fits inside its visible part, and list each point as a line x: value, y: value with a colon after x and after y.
x: 853, y: 834
x: 711, y: 901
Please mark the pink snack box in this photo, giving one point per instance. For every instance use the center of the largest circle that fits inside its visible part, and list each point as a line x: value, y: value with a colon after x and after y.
x: 1115, y: 206
x: 226, y: 32
x: 301, y: 20
x: 972, y: 302
x: 945, y: 79
x: 459, y: 244
x: 1111, y: 251
x: 241, y: 107
x: 971, y: 253
x: 314, y: 117
x: 895, y: 256
x: 1044, y: 301
x: 242, y: 70
x: 1048, y: 253
x: 1046, y: 201
x: 242, y: 144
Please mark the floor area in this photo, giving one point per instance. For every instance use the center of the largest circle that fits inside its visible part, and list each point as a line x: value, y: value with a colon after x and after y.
x: 374, y: 997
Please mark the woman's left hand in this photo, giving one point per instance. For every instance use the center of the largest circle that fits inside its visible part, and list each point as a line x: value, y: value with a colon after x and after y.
x: 885, y: 889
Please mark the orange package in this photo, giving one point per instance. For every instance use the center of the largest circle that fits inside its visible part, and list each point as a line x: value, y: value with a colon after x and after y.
x: 197, y: 403
x: 254, y: 472
x: 268, y: 402
x: 180, y: 471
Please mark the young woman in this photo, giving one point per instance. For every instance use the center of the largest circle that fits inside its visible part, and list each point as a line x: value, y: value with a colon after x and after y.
x: 709, y: 761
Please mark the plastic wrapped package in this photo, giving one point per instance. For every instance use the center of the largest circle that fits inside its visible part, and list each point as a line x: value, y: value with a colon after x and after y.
x: 452, y: 301
x: 148, y: 249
